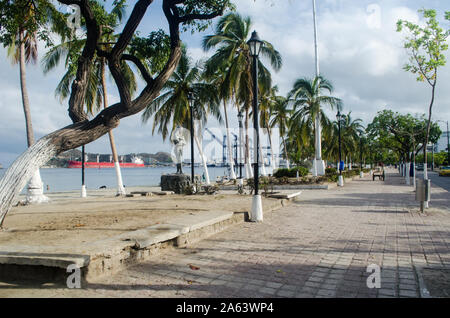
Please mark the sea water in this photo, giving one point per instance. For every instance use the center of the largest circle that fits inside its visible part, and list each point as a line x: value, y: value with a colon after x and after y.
x: 65, y: 179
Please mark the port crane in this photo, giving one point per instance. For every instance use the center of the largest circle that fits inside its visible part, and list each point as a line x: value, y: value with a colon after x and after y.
x: 224, y: 146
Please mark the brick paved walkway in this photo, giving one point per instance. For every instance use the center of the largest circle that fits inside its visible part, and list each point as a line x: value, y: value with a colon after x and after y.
x: 320, y: 246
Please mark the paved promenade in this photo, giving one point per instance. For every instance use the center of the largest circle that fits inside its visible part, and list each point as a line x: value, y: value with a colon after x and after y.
x: 320, y: 246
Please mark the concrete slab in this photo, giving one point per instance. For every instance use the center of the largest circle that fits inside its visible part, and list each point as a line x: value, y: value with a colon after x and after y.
x: 194, y: 222
x: 106, y: 255
x: 154, y: 234
x: 59, y: 260
x: 286, y: 196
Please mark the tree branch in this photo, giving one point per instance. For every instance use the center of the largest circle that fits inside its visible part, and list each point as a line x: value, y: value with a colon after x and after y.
x: 85, y: 62
x: 140, y: 66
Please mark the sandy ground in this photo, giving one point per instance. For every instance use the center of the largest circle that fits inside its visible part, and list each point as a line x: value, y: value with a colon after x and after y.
x: 70, y: 220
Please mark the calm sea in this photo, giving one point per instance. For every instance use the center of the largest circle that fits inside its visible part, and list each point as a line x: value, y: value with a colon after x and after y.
x: 64, y: 179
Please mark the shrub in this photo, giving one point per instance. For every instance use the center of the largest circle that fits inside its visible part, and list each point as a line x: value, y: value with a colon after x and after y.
x: 302, y: 171
x: 281, y: 173
x: 332, y: 177
x: 291, y: 173
x: 329, y: 171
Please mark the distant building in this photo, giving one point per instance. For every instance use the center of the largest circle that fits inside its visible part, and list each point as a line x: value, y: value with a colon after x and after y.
x: 442, y: 142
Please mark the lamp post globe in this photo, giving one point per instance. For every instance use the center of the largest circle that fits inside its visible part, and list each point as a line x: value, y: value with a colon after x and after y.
x: 255, y: 45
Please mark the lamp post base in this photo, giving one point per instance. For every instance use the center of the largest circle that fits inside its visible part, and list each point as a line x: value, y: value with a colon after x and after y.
x: 257, y: 212
x: 361, y: 174
x: 318, y: 167
x: 341, y: 181
x: 83, y: 191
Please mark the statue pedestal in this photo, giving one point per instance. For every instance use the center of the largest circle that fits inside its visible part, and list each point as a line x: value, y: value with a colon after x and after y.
x: 175, y: 182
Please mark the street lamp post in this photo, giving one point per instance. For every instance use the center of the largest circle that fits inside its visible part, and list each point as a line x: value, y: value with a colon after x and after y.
x: 83, y: 185
x: 361, y: 174
x: 240, y: 118
x: 191, y: 100
x: 341, y: 179
x: 255, y: 45
x: 448, y: 145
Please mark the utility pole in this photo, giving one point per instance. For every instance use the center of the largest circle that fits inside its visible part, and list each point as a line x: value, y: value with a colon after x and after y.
x: 318, y: 164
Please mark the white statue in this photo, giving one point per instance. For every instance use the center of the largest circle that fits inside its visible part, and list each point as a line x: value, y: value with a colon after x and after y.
x: 178, y: 140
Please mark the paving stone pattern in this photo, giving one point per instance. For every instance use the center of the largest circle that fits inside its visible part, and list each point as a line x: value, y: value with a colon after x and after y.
x: 320, y: 246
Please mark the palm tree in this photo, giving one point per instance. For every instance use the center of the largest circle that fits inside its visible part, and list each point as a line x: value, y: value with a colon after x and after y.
x: 307, y: 97
x: 22, y: 51
x: 267, y: 107
x: 233, y: 55
x: 224, y: 92
x: 350, y: 129
x: 281, y: 117
x: 97, y: 93
x: 172, y: 106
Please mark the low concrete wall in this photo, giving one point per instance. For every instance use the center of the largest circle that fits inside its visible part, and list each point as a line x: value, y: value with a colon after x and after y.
x: 116, y: 253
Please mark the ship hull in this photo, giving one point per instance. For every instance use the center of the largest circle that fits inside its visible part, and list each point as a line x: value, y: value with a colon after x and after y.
x: 99, y: 165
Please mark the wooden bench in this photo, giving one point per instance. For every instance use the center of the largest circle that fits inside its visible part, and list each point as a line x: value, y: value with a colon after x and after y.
x: 378, y: 174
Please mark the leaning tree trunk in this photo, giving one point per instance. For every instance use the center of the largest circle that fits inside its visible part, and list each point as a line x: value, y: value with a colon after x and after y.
x: 230, y: 151
x: 35, y: 192
x: 120, y: 187
x: 21, y: 170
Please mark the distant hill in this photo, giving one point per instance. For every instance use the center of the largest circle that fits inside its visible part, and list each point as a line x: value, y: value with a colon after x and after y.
x: 159, y: 156
x: 72, y: 154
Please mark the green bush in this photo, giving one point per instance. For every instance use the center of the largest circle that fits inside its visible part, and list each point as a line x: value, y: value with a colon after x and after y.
x: 291, y: 173
x: 329, y: 171
x: 332, y: 177
x: 302, y: 171
x: 281, y: 173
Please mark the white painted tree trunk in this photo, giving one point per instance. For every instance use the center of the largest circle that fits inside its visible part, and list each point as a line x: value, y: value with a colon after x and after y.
x: 204, y: 161
x: 230, y: 150
x: 425, y: 177
x: 272, y: 157
x: 261, y: 159
x: 35, y: 192
x: 120, y: 187
x: 407, y: 178
x: 21, y: 171
x: 230, y: 156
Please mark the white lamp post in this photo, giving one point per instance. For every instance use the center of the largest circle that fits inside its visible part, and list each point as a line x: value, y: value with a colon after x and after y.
x: 255, y: 45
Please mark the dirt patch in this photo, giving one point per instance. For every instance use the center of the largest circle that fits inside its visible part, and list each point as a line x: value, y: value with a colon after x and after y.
x: 70, y: 220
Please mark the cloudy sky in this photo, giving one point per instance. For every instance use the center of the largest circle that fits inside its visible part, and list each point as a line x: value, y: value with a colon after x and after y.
x: 360, y: 52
